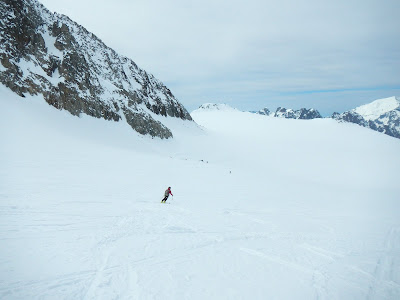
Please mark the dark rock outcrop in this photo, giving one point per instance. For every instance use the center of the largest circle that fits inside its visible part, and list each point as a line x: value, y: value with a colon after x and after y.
x: 265, y: 112
x: 302, y: 114
x: 49, y: 54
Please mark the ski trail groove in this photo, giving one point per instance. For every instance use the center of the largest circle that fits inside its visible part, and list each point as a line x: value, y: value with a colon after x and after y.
x: 386, y: 266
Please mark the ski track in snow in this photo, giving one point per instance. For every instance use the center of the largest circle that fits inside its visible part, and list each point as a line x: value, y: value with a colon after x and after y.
x: 119, y: 271
x: 385, y: 278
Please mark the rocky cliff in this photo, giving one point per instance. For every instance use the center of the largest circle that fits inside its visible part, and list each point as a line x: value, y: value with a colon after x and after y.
x: 44, y: 53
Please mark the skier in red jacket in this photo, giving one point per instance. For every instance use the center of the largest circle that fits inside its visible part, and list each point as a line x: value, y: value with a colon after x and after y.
x: 166, y: 194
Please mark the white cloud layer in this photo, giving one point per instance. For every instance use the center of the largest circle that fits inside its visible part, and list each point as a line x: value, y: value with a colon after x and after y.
x: 253, y: 53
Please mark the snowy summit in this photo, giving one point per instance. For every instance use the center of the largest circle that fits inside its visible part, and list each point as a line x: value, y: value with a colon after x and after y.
x: 377, y: 108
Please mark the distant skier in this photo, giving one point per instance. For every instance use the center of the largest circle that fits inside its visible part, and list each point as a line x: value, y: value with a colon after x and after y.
x: 166, y: 194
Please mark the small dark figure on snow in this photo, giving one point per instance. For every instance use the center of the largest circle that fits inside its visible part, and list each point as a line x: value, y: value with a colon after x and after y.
x: 166, y: 194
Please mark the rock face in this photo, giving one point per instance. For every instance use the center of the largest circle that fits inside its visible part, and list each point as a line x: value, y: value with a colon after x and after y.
x: 49, y: 54
x: 382, y: 115
x: 303, y: 114
x: 265, y: 112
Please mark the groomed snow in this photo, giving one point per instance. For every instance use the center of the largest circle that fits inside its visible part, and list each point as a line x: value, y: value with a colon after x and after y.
x: 263, y: 208
x: 375, y: 109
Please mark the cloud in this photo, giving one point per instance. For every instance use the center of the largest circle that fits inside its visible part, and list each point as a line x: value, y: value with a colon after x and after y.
x: 255, y: 48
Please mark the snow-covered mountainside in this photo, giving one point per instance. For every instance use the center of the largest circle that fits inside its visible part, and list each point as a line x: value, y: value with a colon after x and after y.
x: 302, y: 114
x: 382, y: 115
x: 48, y: 54
x: 377, y: 108
x: 262, y: 208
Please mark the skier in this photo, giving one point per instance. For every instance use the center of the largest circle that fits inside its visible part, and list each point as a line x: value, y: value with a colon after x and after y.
x: 166, y: 194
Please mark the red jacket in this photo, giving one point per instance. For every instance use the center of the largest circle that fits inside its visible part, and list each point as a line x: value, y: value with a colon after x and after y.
x: 167, y: 192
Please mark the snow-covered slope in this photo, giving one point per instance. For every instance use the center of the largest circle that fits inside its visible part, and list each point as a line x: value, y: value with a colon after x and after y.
x: 263, y: 208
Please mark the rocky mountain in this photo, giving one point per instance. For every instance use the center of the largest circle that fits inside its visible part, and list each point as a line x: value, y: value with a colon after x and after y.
x: 48, y: 54
x: 265, y: 112
x: 215, y: 106
x: 303, y: 113
x: 382, y: 115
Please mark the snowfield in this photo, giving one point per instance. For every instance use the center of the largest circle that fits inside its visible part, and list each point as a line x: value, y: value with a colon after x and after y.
x: 263, y: 208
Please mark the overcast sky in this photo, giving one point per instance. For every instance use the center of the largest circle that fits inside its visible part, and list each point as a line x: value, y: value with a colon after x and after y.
x: 330, y: 55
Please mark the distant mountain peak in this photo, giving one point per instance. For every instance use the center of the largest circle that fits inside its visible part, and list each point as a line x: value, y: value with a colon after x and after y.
x: 301, y: 114
x: 375, y: 109
x: 216, y: 106
x: 265, y: 112
x: 288, y: 113
x: 381, y: 115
